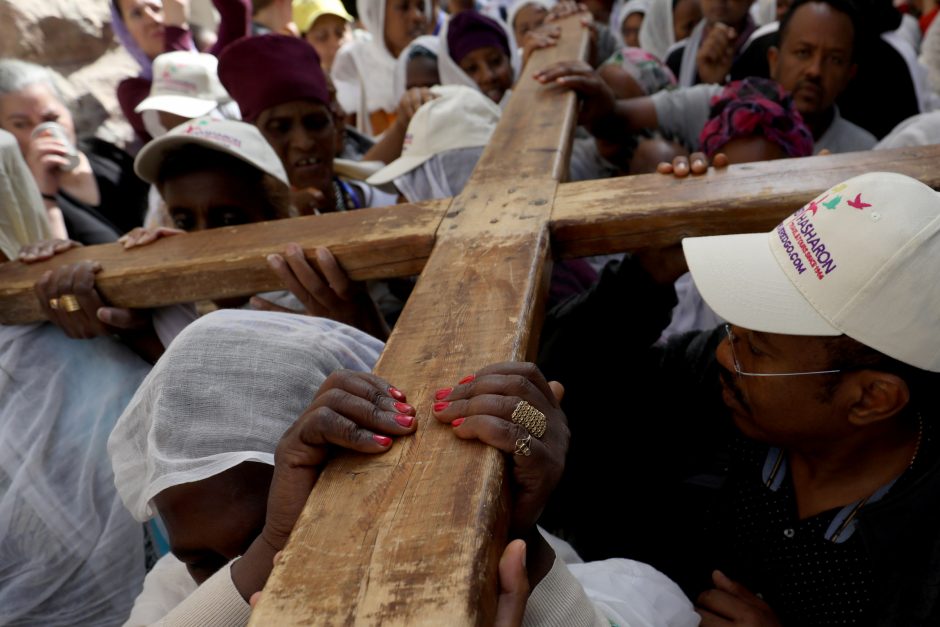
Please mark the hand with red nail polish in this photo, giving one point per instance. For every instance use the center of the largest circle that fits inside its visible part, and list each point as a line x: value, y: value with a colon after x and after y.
x: 352, y: 410
x: 480, y: 407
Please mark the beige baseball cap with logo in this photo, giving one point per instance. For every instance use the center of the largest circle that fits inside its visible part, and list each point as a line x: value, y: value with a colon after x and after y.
x: 861, y: 259
x: 239, y: 139
x: 185, y: 84
x: 460, y: 117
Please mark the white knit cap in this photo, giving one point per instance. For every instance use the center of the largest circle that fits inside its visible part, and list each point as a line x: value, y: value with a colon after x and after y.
x: 185, y: 84
x: 459, y: 117
x: 224, y: 393
x: 861, y: 260
x: 239, y: 139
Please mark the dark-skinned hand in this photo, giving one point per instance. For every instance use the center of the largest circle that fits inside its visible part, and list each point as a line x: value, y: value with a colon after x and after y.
x: 46, y: 249
x: 597, y: 98
x: 695, y: 164
x: 352, y: 410
x: 729, y: 603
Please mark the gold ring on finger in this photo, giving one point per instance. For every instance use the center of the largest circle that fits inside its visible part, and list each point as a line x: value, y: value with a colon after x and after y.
x: 53, y: 303
x: 530, y: 419
x: 522, y: 446
x: 69, y: 303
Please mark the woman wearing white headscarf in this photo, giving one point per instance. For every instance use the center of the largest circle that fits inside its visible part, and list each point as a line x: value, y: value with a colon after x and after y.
x: 209, y: 417
x: 71, y: 554
x: 619, y: 16
x: 520, y: 22
x: 364, y: 69
x: 427, y: 48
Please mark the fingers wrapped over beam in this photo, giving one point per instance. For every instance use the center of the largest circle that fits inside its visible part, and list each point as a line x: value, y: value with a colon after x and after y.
x: 414, y: 537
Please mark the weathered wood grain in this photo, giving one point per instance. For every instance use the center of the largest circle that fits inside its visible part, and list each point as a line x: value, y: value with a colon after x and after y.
x: 652, y: 210
x: 413, y: 537
x: 226, y: 262
x: 588, y: 218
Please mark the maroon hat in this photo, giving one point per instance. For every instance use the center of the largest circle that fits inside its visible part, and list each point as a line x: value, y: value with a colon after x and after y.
x: 268, y: 70
x: 468, y: 31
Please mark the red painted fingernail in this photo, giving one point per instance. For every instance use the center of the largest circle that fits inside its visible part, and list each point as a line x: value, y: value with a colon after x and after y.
x: 457, y: 422
x: 382, y: 440
x: 404, y: 408
x: 405, y: 421
x: 441, y: 406
x: 467, y: 379
x: 397, y: 394
x: 443, y: 393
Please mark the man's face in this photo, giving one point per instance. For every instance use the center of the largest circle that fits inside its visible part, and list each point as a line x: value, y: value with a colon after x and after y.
x: 789, y: 410
x: 814, y: 62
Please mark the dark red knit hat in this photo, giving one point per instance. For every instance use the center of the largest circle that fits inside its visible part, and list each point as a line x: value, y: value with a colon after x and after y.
x: 468, y: 31
x: 268, y: 70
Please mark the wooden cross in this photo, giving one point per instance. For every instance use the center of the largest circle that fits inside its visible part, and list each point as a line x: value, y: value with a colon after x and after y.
x: 412, y: 537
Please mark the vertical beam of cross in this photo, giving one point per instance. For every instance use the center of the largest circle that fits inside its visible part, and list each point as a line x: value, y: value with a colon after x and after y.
x: 412, y: 537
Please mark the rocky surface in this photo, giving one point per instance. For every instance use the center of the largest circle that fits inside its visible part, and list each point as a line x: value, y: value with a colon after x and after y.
x: 74, y: 38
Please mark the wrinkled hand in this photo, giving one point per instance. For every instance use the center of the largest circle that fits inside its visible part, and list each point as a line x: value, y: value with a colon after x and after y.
x: 94, y: 318
x: 716, y: 54
x: 597, y: 98
x: 730, y: 603
x: 46, y: 156
x: 410, y: 102
x: 480, y: 407
x: 45, y: 249
x: 325, y: 290
x: 352, y: 410
x: 545, y: 36
x: 695, y: 164
x: 142, y: 235
x: 513, y: 586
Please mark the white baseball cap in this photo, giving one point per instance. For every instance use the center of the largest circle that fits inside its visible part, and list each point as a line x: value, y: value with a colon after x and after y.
x: 460, y: 117
x: 861, y: 260
x: 185, y: 84
x: 239, y: 139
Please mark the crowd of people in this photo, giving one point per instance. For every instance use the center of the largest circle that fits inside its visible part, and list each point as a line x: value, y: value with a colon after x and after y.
x: 763, y: 403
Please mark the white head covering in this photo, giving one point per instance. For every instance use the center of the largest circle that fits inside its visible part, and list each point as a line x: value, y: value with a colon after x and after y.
x: 364, y: 69
x: 71, y: 554
x: 428, y: 42
x: 657, y: 33
x: 224, y: 393
x: 623, y: 10
x: 452, y: 74
x: 442, y: 176
x: 22, y: 216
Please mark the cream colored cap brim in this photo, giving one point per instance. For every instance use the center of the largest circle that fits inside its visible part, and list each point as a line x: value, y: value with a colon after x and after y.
x: 739, y: 278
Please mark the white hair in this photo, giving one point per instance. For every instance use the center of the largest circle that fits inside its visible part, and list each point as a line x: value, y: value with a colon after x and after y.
x: 16, y: 75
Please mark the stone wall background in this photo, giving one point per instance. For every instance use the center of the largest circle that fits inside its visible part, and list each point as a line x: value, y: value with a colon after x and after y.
x: 75, y: 39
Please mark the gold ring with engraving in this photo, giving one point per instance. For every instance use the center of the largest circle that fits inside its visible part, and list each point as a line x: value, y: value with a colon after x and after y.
x: 530, y: 419
x: 69, y: 303
x: 522, y: 446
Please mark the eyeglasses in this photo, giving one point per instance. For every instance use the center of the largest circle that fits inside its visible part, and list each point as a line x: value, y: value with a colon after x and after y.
x: 737, y: 364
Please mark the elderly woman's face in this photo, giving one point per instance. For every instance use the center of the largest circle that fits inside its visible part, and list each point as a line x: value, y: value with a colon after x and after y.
x: 213, y: 521
x: 24, y: 110
x: 303, y: 136
x: 144, y: 21
x: 490, y: 69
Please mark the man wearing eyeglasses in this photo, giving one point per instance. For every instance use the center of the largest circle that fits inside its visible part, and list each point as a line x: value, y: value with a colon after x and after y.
x: 818, y: 502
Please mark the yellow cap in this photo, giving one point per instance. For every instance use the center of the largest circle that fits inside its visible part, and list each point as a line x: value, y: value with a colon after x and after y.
x: 306, y: 12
